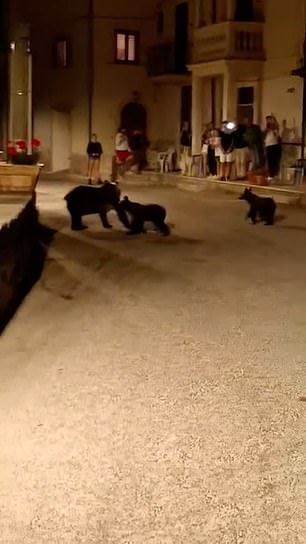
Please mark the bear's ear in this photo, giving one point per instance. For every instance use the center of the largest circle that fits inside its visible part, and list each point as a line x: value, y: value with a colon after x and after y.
x: 250, y: 189
x: 126, y: 198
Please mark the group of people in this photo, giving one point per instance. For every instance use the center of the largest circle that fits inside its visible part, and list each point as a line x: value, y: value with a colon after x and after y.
x: 235, y: 149
x: 129, y: 153
x: 228, y: 152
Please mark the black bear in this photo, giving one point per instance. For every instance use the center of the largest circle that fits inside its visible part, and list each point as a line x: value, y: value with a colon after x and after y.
x: 141, y: 213
x: 262, y: 207
x: 85, y: 200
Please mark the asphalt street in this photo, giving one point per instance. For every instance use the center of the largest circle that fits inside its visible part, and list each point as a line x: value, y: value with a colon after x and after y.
x: 152, y: 390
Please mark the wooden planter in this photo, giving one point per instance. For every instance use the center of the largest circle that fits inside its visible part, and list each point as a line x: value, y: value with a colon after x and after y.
x: 22, y: 179
x: 257, y: 178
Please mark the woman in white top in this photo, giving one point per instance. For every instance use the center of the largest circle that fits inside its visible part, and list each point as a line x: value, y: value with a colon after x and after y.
x: 123, y: 152
x: 272, y: 146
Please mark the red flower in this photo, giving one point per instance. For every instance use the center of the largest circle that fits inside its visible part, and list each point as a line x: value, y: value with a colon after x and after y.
x: 21, y: 144
x: 35, y: 142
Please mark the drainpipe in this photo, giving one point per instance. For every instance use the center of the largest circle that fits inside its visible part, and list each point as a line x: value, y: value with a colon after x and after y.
x: 90, y: 64
x: 29, y: 98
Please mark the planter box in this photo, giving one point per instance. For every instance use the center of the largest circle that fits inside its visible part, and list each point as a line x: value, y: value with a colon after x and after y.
x: 18, y: 179
x: 25, y: 159
x: 257, y: 178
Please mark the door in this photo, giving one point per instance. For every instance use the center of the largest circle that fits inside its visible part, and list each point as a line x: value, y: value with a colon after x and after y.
x: 181, y: 37
x: 134, y: 117
x: 61, y: 140
x: 186, y: 101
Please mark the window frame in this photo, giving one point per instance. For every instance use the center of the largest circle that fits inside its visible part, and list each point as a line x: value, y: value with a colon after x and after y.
x: 56, y: 42
x: 241, y: 105
x: 127, y: 33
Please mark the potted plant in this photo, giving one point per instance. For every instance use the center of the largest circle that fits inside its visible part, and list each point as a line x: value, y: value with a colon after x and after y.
x: 17, y: 152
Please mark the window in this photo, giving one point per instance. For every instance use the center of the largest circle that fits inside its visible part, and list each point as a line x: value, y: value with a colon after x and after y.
x: 245, y: 104
x: 61, y: 53
x: 160, y: 22
x: 126, y: 44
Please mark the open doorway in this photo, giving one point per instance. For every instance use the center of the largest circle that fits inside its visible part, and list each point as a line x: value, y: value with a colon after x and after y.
x: 134, y: 117
x: 186, y: 100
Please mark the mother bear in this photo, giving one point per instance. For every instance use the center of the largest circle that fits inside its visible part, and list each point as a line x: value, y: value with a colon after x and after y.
x: 87, y: 200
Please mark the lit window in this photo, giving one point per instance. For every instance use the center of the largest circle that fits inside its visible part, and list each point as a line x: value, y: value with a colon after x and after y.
x: 126, y: 47
x: 121, y: 47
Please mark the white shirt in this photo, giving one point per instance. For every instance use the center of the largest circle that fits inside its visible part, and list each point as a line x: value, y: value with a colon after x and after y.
x: 271, y: 138
x: 121, y: 142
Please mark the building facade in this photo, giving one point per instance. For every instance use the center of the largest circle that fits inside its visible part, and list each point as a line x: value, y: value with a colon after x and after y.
x: 152, y: 65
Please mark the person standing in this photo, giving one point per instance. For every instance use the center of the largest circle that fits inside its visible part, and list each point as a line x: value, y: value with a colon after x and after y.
x: 272, y: 146
x: 94, y: 153
x: 185, y: 141
x: 227, y: 148
x: 212, y: 154
x: 242, y: 155
x: 122, y: 149
x: 137, y: 158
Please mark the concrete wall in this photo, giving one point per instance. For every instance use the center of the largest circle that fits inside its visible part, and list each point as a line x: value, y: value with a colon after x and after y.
x: 284, y: 35
x: 58, y: 89
x: 166, y: 113
x: 67, y: 90
x: 115, y: 84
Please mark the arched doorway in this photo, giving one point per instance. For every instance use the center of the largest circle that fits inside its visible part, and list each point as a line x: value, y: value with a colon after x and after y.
x: 134, y: 117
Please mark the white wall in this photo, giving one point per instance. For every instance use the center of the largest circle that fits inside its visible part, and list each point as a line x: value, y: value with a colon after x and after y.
x: 284, y: 34
x: 166, y: 113
x: 114, y: 84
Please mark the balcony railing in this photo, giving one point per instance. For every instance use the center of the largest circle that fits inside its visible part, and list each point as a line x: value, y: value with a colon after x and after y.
x: 229, y: 40
x: 164, y: 59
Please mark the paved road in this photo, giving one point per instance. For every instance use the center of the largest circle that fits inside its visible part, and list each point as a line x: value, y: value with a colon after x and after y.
x: 151, y: 389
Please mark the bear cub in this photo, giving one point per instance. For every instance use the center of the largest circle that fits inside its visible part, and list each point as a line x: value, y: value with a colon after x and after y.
x: 145, y: 213
x: 261, y: 208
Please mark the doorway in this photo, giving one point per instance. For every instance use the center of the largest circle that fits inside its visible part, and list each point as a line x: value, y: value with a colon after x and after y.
x: 61, y: 140
x: 181, y: 37
x: 186, y: 102
x: 134, y: 117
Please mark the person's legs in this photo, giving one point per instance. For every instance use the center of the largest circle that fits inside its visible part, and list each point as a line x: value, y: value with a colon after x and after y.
x: 212, y: 163
x: 129, y: 163
x: 228, y: 165
x: 96, y: 170
x: 90, y: 169
x: 222, y: 166
x: 270, y: 154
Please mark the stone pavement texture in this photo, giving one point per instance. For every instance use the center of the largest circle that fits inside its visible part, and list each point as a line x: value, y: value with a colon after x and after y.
x: 11, y: 205
x: 151, y: 389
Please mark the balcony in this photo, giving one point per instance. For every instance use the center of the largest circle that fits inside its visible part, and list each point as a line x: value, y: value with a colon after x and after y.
x: 165, y: 62
x: 229, y: 40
